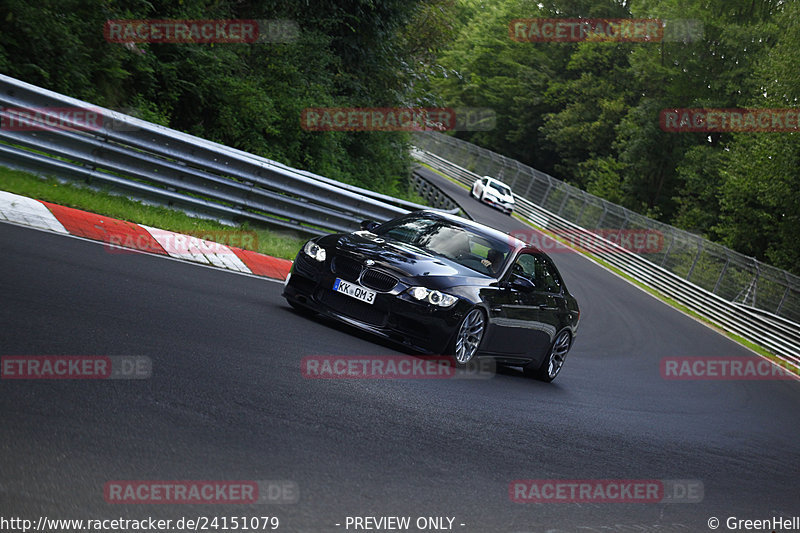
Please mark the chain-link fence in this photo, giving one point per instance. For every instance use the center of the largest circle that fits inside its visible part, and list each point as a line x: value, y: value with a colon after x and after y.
x: 724, y: 272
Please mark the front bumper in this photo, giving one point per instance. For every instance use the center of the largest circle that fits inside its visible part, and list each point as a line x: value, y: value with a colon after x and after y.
x: 503, y: 206
x: 393, y: 315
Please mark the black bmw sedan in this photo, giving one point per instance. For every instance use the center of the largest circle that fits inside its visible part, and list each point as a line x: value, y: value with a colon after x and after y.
x: 441, y: 284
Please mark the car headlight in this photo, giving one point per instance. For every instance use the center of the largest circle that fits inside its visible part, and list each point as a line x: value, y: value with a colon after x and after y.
x: 437, y: 298
x: 314, y: 251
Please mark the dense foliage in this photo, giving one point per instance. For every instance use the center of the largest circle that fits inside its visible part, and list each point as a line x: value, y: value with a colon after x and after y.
x: 588, y: 112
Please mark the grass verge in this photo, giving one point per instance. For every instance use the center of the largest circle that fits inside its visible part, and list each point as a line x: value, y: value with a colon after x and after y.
x: 270, y: 242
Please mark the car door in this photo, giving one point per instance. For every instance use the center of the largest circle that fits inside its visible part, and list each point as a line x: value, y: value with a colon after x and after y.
x: 517, y: 315
x: 503, y: 336
x: 547, y: 298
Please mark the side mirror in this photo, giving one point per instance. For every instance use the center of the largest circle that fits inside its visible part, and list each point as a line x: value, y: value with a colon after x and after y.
x: 521, y: 284
x: 369, y: 225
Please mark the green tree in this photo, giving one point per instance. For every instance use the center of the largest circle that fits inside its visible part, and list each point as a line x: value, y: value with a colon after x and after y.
x: 591, y: 100
x: 760, y: 211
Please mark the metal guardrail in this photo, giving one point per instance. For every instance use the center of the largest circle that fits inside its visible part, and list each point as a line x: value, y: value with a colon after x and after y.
x: 729, y: 274
x: 776, y: 334
x: 435, y: 196
x: 170, y: 167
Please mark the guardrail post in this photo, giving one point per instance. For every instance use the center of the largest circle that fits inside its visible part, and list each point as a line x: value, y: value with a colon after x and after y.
x: 602, y: 217
x: 669, y: 248
x: 563, y: 202
x: 696, y: 257
x: 783, y: 298
x: 546, y: 193
x: 583, y: 207
x: 515, y: 175
x: 721, y: 274
x: 624, y: 222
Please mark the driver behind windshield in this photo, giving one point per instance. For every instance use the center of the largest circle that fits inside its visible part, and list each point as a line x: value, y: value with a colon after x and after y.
x: 494, y: 260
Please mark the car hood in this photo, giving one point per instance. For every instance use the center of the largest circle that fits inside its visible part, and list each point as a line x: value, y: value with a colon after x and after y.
x: 405, y: 260
x: 503, y: 197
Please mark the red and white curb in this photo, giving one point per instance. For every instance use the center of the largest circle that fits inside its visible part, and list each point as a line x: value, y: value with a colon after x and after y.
x: 57, y: 218
x: 28, y: 212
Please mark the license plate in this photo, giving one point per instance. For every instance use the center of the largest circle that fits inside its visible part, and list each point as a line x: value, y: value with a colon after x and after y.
x: 354, y: 290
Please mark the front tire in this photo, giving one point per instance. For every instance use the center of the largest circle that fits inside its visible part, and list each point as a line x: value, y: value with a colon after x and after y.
x: 468, y: 337
x: 554, y: 361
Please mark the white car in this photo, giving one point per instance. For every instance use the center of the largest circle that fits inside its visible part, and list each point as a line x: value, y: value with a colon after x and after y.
x: 495, y: 193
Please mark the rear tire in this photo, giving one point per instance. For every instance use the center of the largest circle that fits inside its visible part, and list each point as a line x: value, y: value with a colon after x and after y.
x: 554, y: 361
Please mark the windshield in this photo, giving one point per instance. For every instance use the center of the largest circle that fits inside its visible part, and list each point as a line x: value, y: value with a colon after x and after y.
x: 475, y: 251
x: 500, y: 188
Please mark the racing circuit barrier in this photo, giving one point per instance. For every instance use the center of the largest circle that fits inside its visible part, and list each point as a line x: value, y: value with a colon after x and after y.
x: 41, y: 133
x: 201, y: 177
x: 435, y: 196
x: 775, y: 333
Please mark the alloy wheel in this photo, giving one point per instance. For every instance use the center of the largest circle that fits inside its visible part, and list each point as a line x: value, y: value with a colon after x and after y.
x: 469, y: 336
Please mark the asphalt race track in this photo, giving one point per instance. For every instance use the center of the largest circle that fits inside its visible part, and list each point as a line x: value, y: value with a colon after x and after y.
x: 227, y: 401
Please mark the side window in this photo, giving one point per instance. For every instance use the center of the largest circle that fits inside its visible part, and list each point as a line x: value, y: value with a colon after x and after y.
x: 526, y: 267
x: 546, y: 276
x: 539, y: 271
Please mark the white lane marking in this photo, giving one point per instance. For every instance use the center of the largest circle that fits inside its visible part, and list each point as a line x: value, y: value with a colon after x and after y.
x: 28, y: 212
x: 191, y: 248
